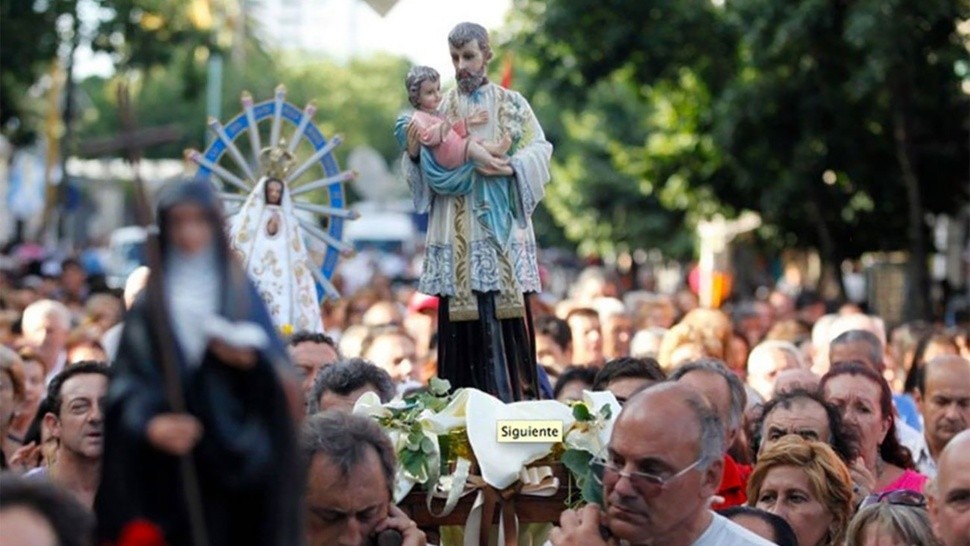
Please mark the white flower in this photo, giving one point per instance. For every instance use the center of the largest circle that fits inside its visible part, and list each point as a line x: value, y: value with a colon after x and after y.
x: 593, y: 436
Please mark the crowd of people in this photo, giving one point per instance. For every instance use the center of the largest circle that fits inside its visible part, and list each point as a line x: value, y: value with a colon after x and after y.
x: 784, y: 420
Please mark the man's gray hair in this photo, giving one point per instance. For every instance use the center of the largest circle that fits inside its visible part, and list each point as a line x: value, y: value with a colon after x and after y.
x: 765, y: 348
x: 712, y: 365
x: 344, y: 439
x: 348, y: 375
x: 41, y: 309
x: 416, y: 76
x: 466, y: 32
x: 872, y: 341
x: 711, y: 441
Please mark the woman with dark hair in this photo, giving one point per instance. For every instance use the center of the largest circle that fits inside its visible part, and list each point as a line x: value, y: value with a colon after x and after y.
x: 804, y: 413
x: 866, y: 403
x: 762, y: 523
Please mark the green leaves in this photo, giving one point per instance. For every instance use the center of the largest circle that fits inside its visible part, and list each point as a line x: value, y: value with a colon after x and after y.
x: 413, y: 462
x: 581, y: 412
x: 577, y: 462
x: 439, y: 387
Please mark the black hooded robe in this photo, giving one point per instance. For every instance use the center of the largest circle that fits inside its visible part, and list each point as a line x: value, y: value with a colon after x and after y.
x: 246, y: 460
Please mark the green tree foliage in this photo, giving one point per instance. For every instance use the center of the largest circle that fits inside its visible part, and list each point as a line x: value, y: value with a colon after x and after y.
x: 351, y: 99
x: 841, y: 123
x: 32, y: 33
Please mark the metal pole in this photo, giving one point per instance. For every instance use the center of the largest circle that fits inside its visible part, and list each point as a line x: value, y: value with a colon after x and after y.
x: 213, y: 90
x: 61, y: 223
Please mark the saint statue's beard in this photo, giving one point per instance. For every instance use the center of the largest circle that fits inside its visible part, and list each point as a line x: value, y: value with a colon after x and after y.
x: 469, y: 81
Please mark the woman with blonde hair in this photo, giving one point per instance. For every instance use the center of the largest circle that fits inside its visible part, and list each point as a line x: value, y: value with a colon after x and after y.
x: 896, y: 517
x: 806, y: 484
x: 11, y: 395
x: 35, y: 389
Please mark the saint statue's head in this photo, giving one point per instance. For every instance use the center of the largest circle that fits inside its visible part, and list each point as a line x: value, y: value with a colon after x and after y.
x: 470, y: 54
x: 189, y: 218
x: 274, y: 191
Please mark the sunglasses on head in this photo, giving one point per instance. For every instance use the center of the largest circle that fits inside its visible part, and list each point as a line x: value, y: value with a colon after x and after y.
x: 900, y: 497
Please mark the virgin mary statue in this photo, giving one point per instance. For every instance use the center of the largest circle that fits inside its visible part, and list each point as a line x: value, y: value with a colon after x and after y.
x: 265, y: 235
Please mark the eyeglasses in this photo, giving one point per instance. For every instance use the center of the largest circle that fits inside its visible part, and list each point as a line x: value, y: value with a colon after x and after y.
x: 603, y: 470
x: 900, y: 497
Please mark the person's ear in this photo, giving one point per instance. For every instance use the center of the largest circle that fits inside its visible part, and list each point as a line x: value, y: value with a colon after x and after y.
x: 53, y: 424
x: 932, y: 506
x: 711, y: 479
x: 732, y: 436
x: 918, y: 398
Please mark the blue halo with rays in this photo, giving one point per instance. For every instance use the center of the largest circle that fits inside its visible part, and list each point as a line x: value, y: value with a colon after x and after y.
x: 335, y: 191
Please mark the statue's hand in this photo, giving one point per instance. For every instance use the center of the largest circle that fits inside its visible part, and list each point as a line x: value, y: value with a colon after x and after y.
x: 235, y: 357
x: 174, y: 433
x: 414, y: 139
x: 499, y: 170
x: 478, y: 117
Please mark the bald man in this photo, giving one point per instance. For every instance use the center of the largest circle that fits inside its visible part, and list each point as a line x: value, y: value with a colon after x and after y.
x: 949, y: 493
x: 134, y: 285
x: 663, y: 464
x: 943, y: 397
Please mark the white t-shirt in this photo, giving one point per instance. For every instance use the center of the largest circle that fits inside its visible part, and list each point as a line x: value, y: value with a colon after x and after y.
x: 724, y: 532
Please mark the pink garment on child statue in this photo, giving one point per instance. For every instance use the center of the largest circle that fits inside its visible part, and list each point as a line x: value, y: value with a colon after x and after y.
x: 909, y: 479
x: 450, y: 149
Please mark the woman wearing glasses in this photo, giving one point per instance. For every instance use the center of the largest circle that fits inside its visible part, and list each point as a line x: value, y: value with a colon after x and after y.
x: 866, y: 403
x: 896, y: 517
x: 807, y: 484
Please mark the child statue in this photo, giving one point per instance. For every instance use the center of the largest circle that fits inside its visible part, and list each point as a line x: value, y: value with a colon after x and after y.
x: 449, y: 140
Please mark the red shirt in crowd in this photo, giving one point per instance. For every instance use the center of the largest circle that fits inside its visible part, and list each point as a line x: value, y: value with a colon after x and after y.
x: 734, y: 483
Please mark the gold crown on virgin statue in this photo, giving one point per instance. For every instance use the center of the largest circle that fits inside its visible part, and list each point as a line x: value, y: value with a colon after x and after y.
x: 276, y: 162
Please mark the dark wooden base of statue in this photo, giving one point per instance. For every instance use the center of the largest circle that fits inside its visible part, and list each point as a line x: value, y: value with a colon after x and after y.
x: 527, y: 508
x: 493, y: 355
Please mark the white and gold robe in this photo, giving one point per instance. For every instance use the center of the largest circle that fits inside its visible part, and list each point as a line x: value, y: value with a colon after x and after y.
x: 278, y: 264
x: 480, y: 236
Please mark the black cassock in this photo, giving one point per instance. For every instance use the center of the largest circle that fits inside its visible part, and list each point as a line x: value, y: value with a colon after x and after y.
x: 246, y: 460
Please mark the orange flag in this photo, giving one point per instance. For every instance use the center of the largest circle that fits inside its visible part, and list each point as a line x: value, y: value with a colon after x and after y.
x: 507, y: 71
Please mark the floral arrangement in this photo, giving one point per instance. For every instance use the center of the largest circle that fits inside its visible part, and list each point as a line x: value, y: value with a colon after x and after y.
x: 435, y: 430
x: 579, y: 451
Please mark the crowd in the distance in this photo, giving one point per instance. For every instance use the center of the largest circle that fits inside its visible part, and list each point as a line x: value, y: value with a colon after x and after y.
x: 802, y: 423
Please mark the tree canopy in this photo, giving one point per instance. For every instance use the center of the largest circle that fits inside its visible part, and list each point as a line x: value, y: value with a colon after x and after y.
x: 840, y: 123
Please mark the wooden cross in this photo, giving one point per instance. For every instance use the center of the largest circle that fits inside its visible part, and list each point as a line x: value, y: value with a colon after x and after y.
x: 158, y: 310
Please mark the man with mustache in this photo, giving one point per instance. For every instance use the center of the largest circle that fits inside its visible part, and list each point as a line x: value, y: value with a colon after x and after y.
x: 76, y: 423
x: 662, y: 467
x: 480, y: 256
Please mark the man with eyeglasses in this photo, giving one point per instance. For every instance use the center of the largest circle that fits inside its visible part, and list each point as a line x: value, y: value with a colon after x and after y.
x: 662, y: 466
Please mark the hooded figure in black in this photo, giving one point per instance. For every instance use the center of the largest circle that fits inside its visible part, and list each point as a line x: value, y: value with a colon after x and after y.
x: 238, y: 428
